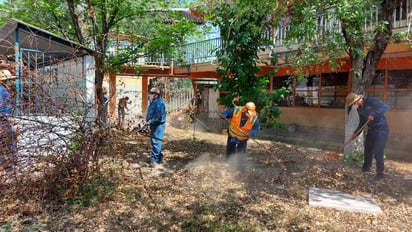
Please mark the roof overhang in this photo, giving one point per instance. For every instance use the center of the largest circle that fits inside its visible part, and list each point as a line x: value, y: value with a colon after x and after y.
x: 166, y: 15
x: 28, y: 37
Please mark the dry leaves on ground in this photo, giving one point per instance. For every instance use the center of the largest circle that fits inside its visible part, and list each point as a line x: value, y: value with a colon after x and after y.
x: 196, y: 190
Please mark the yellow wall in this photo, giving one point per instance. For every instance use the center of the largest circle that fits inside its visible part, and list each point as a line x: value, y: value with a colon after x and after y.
x: 331, y: 122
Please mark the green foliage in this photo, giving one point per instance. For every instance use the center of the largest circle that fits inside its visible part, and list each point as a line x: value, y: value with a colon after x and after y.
x: 87, y: 193
x: 344, y: 34
x: 7, y: 227
x: 30, y: 226
x: 319, y: 42
x: 242, y: 25
x: 94, y: 23
x: 355, y: 158
x: 74, y: 144
x: 200, y: 219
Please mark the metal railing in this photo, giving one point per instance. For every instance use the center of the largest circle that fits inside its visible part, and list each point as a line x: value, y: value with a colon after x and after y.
x: 179, y: 100
x: 200, y: 52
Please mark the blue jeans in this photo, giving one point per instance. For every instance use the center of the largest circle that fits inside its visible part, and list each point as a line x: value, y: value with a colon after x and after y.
x: 375, y: 143
x: 236, y: 147
x: 157, y: 132
x: 121, y: 113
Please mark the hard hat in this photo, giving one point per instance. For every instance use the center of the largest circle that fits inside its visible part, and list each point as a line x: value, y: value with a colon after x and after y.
x: 5, y: 75
x: 251, y: 108
x: 155, y: 90
x: 352, y: 98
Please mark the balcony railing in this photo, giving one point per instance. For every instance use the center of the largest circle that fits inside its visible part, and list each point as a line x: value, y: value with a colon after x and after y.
x: 199, y: 52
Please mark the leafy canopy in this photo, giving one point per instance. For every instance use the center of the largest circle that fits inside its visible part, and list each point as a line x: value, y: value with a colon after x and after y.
x: 243, y: 25
x: 327, y: 30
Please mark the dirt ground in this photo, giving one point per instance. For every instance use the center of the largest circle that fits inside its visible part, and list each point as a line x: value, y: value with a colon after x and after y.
x: 196, y: 190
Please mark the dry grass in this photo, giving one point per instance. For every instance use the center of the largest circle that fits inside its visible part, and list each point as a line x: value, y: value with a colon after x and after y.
x: 196, y: 191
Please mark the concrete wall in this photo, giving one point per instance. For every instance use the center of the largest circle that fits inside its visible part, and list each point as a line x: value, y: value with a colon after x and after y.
x: 130, y: 86
x: 322, y: 127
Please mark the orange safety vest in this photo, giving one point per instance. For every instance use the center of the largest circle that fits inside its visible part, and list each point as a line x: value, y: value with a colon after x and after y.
x: 241, y: 133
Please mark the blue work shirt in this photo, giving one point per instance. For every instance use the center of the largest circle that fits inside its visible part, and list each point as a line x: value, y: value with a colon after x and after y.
x: 374, y: 107
x: 156, y: 114
x: 6, y: 106
x: 256, y: 126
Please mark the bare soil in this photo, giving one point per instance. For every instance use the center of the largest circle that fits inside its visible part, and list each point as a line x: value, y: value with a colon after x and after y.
x: 197, y: 190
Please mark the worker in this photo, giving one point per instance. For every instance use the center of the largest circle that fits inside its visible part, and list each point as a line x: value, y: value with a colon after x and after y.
x: 8, y: 146
x: 121, y: 110
x: 244, y: 124
x: 371, y: 110
x: 156, y: 119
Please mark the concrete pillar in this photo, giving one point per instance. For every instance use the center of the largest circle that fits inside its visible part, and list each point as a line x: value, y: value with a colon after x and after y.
x: 112, y: 95
x: 145, y: 91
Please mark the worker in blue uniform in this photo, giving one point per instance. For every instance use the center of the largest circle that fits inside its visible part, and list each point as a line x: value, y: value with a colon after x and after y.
x: 156, y: 118
x: 8, y: 146
x: 371, y: 110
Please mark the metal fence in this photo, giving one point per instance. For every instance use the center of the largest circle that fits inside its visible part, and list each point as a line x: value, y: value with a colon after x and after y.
x: 179, y: 100
x: 46, y: 86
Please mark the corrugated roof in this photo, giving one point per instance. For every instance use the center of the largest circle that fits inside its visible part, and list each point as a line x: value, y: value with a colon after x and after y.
x: 166, y: 15
x: 36, y: 39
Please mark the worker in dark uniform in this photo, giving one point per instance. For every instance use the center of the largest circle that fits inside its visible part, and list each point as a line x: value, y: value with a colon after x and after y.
x: 371, y: 110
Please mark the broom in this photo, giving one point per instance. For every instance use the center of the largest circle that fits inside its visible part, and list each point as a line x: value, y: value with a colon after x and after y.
x: 338, y: 155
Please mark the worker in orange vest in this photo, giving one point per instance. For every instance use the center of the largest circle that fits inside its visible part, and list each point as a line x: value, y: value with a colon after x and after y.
x: 243, y: 125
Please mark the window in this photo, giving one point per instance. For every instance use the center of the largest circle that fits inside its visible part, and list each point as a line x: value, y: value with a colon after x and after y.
x: 279, y: 82
x: 329, y: 90
x: 399, y: 94
x: 326, y: 90
x: 377, y: 89
x: 306, y: 91
x: 334, y: 89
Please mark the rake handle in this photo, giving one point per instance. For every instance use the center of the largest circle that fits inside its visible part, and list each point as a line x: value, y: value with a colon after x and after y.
x: 357, y: 132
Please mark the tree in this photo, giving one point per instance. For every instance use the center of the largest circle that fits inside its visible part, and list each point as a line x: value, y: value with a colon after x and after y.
x: 242, y: 25
x: 345, y: 35
x: 91, y: 23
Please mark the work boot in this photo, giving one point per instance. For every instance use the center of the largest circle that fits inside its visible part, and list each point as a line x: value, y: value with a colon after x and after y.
x: 156, y: 165
x: 153, y: 164
x: 379, y: 176
x: 366, y: 170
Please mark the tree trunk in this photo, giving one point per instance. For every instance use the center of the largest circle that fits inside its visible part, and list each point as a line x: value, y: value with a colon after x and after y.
x: 351, y: 123
x: 101, y: 107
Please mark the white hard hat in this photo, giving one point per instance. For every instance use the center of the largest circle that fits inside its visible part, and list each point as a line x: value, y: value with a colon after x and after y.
x: 251, y: 107
x: 5, y: 75
x: 155, y: 90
